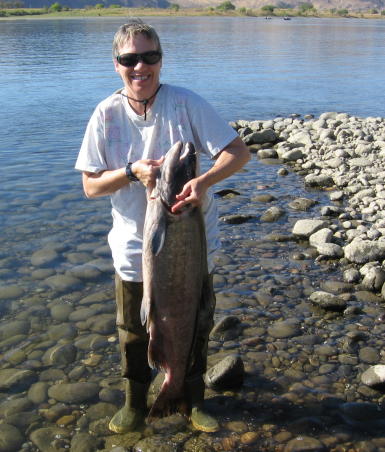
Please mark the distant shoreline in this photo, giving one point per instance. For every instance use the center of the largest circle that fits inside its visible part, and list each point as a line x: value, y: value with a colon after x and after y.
x: 288, y: 14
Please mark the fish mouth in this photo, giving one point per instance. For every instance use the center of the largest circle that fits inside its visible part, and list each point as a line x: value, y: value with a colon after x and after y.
x: 178, y: 168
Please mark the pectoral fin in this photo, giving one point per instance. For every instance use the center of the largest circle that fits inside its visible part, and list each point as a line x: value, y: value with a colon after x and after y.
x: 158, y: 237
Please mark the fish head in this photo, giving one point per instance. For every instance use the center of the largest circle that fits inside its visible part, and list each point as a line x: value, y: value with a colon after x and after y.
x: 179, y: 166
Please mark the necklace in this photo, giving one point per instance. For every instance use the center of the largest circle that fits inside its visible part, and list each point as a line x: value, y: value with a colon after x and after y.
x: 144, y: 101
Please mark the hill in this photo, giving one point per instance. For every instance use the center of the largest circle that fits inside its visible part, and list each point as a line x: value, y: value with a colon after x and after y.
x: 86, y: 3
x: 321, y: 5
x: 309, y: 7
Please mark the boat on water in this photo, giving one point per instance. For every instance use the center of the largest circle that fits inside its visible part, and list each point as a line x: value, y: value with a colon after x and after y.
x: 287, y: 18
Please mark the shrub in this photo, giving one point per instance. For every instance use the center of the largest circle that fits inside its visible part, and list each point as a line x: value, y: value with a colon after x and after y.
x: 343, y: 12
x: 55, y: 7
x: 305, y: 7
x: 383, y: 12
x: 269, y: 9
x: 174, y: 6
x: 99, y: 6
x: 226, y: 6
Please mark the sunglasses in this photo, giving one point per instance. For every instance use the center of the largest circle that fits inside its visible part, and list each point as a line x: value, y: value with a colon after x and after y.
x: 132, y: 59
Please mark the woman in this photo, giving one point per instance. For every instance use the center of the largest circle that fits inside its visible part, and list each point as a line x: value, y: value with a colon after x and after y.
x: 124, y: 144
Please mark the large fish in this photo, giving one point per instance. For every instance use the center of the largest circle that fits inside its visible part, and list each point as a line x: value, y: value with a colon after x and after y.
x: 174, y: 278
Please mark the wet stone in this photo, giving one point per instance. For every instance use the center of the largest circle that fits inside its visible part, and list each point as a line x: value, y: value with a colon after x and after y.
x: 304, y: 444
x: 84, y: 442
x: 285, y: 329
x: 11, y: 292
x: 14, y: 328
x: 16, y: 379
x: 103, y: 324
x: 125, y: 440
x: 228, y: 373
x: 62, y: 331
x: 78, y: 258
x: 272, y: 214
x: 63, y: 283
x: 73, y: 392
x: 227, y: 328
x: 45, y: 257
x: 237, y: 218
x: 263, y: 198
x: 82, y: 314
x: 85, y: 272
x: 46, y: 438
x: 55, y: 412
x: 362, y: 411
x: 11, y: 438
x: 155, y: 443
x: 52, y: 375
x: 227, y: 193
x: 61, y: 312
x: 100, y: 410
x: 369, y: 355
x: 14, y: 406
x: 60, y: 354
x: 374, y: 376
x: 38, y: 392
x: 42, y: 273
x: 91, y: 342
x: 328, y: 301
x: 302, y: 204
x: 77, y: 372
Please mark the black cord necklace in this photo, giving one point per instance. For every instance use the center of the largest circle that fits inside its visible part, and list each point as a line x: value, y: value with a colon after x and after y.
x: 144, y: 101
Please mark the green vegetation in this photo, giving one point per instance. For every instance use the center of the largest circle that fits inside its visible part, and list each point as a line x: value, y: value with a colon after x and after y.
x: 342, y: 12
x: 268, y: 9
x: 15, y: 8
x: 55, y: 7
x: 225, y: 6
x: 306, y: 8
x: 246, y: 12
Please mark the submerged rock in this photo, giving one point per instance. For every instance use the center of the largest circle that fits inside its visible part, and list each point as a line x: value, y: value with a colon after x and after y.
x: 227, y: 373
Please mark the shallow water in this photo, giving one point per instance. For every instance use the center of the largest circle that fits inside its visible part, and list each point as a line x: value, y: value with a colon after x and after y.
x: 55, y: 268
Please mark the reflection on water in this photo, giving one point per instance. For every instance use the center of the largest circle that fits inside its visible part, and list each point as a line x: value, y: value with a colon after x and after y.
x: 55, y: 268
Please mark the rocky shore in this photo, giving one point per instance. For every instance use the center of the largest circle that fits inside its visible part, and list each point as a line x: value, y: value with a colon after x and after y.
x: 296, y: 359
x: 346, y: 156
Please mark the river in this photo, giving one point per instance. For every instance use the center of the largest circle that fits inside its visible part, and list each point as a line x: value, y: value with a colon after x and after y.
x: 52, y: 74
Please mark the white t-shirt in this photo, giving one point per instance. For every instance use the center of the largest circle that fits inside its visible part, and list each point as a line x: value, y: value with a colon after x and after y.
x: 116, y: 135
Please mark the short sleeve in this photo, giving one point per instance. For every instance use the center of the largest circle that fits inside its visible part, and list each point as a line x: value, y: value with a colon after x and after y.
x: 92, y: 152
x: 211, y: 131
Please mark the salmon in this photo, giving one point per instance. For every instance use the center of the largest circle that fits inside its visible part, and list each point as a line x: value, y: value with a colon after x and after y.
x: 174, y: 279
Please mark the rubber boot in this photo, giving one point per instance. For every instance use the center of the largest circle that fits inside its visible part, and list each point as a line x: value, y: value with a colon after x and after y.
x: 132, y: 415
x: 133, y: 342
x: 200, y: 419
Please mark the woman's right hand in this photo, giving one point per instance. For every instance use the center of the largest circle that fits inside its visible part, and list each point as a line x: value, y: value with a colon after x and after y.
x: 146, y: 171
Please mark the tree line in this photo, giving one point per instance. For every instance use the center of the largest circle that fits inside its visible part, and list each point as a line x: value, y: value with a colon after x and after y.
x: 303, y: 8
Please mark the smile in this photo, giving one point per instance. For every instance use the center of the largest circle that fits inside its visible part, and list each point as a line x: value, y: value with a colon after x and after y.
x: 140, y: 77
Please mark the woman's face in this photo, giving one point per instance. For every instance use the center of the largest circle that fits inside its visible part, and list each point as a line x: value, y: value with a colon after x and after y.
x: 142, y: 80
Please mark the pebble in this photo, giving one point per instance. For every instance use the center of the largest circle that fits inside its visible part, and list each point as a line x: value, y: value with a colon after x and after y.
x: 73, y: 392
x: 11, y: 438
x: 308, y: 373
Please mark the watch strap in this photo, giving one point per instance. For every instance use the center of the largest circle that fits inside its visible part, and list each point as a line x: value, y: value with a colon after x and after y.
x: 130, y: 175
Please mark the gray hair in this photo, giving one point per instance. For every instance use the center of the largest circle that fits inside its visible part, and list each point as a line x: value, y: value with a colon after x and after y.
x: 131, y: 29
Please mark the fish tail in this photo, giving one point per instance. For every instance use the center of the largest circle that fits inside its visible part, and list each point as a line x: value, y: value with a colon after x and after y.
x: 168, y: 402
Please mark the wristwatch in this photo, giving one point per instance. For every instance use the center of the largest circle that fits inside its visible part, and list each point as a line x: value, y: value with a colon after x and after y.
x: 130, y: 175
